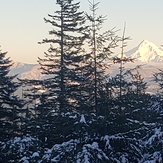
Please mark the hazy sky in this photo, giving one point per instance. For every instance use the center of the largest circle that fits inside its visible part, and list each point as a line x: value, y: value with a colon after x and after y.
x: 22, y: 25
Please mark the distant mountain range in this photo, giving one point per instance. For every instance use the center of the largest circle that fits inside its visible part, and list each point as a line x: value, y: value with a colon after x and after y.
x: 145, y: 53
x: 26, y: 71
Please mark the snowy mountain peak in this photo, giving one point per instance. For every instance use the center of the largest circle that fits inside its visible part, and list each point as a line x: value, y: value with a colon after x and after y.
x: 146, y: 51
x: 147, y: 44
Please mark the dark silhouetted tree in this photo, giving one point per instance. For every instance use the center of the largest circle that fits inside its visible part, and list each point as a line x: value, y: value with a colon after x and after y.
x: 101, y: 46
x: 64, y: 55
x: 10, y: 104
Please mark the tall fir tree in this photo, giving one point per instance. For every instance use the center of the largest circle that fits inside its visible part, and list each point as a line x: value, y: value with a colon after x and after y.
x: 63, y: 73
x: 10, y: 104
x: 101, y: 46
x: 64, y: 54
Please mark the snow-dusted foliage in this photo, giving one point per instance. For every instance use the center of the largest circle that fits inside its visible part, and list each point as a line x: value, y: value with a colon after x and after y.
x: 153, y: 143
x: 120, y: 149
x: 20, y: 149
x: 76, y: 152
x: 87, y: 138
x: 91, y: 153
x: 60, y: 152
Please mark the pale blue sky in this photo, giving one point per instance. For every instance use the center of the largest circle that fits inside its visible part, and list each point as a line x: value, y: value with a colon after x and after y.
x: 22, y: 24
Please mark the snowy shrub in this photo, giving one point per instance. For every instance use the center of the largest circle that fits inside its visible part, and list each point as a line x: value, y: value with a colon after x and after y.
x: 121, y: 149
x: 60, y: 152
x: 155, y: 157
x: 75, y: 152
x: 20, y: 149
x: 153, y: 143
x: 91, y: 153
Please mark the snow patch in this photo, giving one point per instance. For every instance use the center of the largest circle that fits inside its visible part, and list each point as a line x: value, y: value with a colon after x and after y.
x: 82, y: 119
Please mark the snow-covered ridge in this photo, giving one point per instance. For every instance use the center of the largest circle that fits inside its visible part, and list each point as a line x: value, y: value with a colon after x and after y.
x: 26, y: 71
x: 146, y: 51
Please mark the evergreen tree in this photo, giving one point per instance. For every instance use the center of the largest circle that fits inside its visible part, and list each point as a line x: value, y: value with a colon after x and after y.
x: 158, y: 78
x: 101, y: 46
x: 62, y: 67
x: 138, y: 98
x: 31, y: 93
x: 10, y: 104
x: 120, y: 82
x: 64, y: 55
